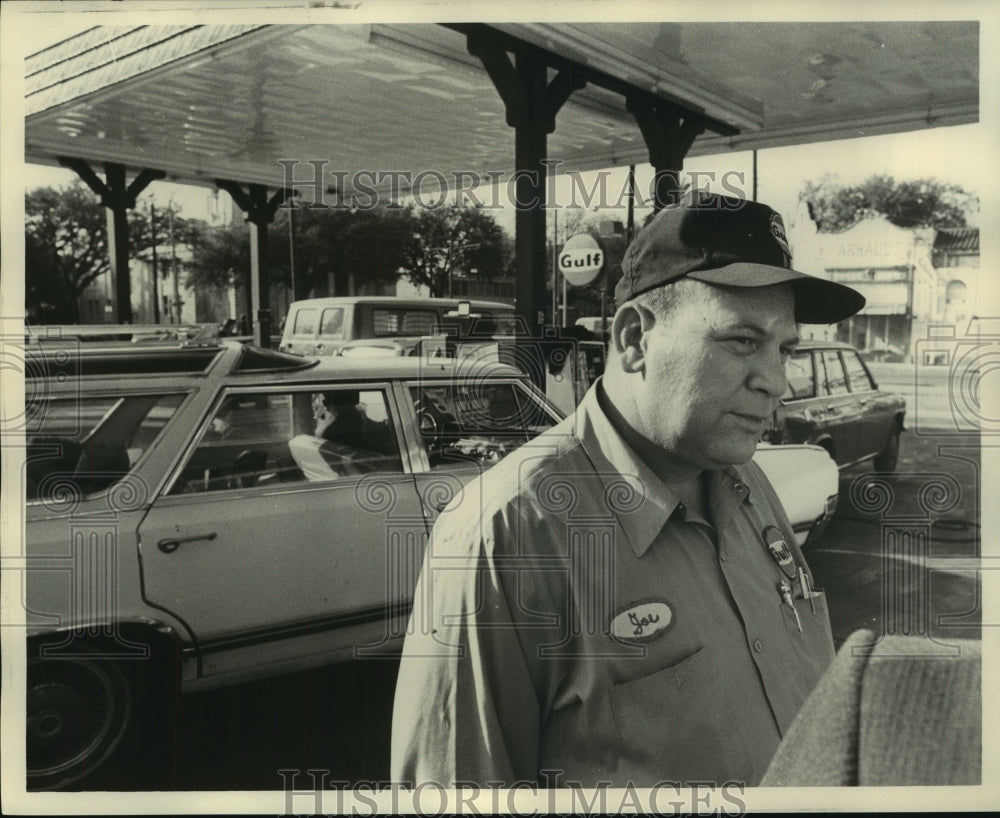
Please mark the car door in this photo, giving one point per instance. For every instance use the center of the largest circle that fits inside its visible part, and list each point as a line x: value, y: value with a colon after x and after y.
x: 876, y: 417
x: 795, y: 419
x: 90, y: 463
x: 262, y: 551
x: 842, y: 412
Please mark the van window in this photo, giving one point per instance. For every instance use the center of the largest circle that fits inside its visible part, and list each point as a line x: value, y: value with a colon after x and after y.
x: 393, y: 322
x: 332, y: 323
x: 305, y: 323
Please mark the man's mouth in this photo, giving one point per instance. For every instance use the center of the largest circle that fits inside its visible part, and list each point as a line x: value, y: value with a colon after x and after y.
x: 757, y: 420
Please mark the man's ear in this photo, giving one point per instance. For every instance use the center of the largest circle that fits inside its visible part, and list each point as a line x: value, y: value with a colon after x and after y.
x: 628, y: 335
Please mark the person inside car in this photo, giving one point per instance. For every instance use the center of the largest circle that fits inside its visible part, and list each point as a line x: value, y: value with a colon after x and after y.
x: 343, y: 421
x: 622, y: 601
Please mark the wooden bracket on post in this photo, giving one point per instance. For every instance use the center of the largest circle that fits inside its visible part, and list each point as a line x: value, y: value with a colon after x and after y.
x: 256, y: 208
x: 669, y: 132
x: 118, y: 197
x: 259, y: 211
x: 518, y: 100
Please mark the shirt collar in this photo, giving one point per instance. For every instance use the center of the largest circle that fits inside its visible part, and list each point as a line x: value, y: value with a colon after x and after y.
x: 614, y: 460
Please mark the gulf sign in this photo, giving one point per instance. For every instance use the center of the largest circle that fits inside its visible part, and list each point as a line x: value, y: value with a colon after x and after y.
x: 581, y: 259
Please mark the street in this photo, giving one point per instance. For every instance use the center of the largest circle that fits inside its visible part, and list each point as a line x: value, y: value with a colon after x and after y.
x: 897, y: 558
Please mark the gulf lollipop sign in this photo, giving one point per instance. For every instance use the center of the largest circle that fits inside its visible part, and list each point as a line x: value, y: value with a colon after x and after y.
x: 581, y: 259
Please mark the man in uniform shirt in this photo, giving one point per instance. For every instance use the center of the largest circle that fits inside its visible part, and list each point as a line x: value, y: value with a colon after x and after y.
x: 622, y: 599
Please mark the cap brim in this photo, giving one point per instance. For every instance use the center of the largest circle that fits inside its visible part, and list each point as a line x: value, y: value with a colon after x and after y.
x: 817, y: 300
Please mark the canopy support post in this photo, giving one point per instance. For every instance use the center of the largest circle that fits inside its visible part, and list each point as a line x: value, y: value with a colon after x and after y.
x: 531, y: 103
x: 668, y: 131
x: 258, y: 210
x: 118, y: 197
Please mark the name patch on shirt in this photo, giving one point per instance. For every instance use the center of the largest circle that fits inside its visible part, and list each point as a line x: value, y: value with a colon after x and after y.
x: 642, y: 620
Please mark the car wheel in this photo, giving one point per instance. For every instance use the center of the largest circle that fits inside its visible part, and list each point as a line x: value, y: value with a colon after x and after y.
x: 78, y: 712
x: 99, y: 719
x: 886, y: 459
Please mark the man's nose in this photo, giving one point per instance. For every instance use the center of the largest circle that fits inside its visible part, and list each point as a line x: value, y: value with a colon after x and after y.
x: 769, y: 375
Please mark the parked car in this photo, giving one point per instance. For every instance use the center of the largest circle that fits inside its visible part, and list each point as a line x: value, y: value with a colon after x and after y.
x: 322, y: 326
x: 834, y: 402
x: 187, y: 528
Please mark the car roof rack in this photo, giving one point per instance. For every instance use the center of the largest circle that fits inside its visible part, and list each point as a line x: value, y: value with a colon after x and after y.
x: 191, y: 334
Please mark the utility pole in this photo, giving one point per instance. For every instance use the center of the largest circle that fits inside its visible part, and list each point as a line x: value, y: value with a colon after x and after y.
x: 630, y: 229
x: 555, y: 265
x: 156, y: 272
x: 173, y: 262
x: 291, y: 247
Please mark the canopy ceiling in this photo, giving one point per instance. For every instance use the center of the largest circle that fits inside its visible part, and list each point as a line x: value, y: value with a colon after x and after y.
x: 209, y: 102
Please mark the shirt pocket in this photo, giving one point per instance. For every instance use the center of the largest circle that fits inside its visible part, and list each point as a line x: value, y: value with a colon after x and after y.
x: 679, y: 723
x: 814, y: 643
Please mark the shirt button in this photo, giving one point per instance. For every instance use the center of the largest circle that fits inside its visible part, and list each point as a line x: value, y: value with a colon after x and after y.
x: 758, y: 646
x: 738, y: 487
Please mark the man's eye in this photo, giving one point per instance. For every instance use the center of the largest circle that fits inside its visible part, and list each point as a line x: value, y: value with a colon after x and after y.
x: 744, y: 343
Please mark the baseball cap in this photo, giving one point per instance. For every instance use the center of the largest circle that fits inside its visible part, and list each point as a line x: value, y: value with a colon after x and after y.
x: 732, y: 243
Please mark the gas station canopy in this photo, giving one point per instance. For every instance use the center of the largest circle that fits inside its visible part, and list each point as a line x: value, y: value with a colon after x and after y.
x: 229, y: 101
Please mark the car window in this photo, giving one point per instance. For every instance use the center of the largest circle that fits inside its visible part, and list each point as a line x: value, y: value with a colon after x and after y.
x: 87, y: 445
x: 282, y: 436
x: 857, y: 375
x: 476, y: 422
x: 388, y: 322
x: 799, y: 374
x: 305, y: 323
x: 332, y: 323
x: 834, y: 378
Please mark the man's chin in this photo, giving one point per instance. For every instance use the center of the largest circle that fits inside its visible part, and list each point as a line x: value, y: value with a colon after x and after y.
x: 735, y: 455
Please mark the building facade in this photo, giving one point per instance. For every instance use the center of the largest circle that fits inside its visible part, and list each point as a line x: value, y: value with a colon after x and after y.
x: 913, y: 280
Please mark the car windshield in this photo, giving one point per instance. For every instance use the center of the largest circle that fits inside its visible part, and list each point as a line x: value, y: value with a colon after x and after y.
x: 477, y: 422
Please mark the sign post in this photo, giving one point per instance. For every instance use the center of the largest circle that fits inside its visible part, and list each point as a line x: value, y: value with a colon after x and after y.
x: 580, y: 262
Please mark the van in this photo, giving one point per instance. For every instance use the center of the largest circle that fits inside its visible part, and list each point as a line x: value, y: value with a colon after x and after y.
x: 323, y: 326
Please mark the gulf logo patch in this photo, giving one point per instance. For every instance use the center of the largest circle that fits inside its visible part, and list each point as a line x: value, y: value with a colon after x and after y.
x: 642, y: 620
x: 778, y: 232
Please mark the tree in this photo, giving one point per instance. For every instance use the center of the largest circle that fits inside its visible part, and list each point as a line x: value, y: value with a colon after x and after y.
x: 66, y: 249
x: 220, y: 257
x: 335, y: 250
x: 908, y: 204
x: 454, y: 239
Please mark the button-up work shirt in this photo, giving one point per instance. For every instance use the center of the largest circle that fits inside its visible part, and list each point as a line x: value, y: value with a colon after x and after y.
x: 574, y: 622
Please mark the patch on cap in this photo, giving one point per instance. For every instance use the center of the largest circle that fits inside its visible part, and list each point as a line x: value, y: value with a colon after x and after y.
x: 778, y: 231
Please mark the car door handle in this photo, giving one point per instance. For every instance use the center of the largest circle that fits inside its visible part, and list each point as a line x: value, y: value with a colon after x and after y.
x: 168, y: 546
